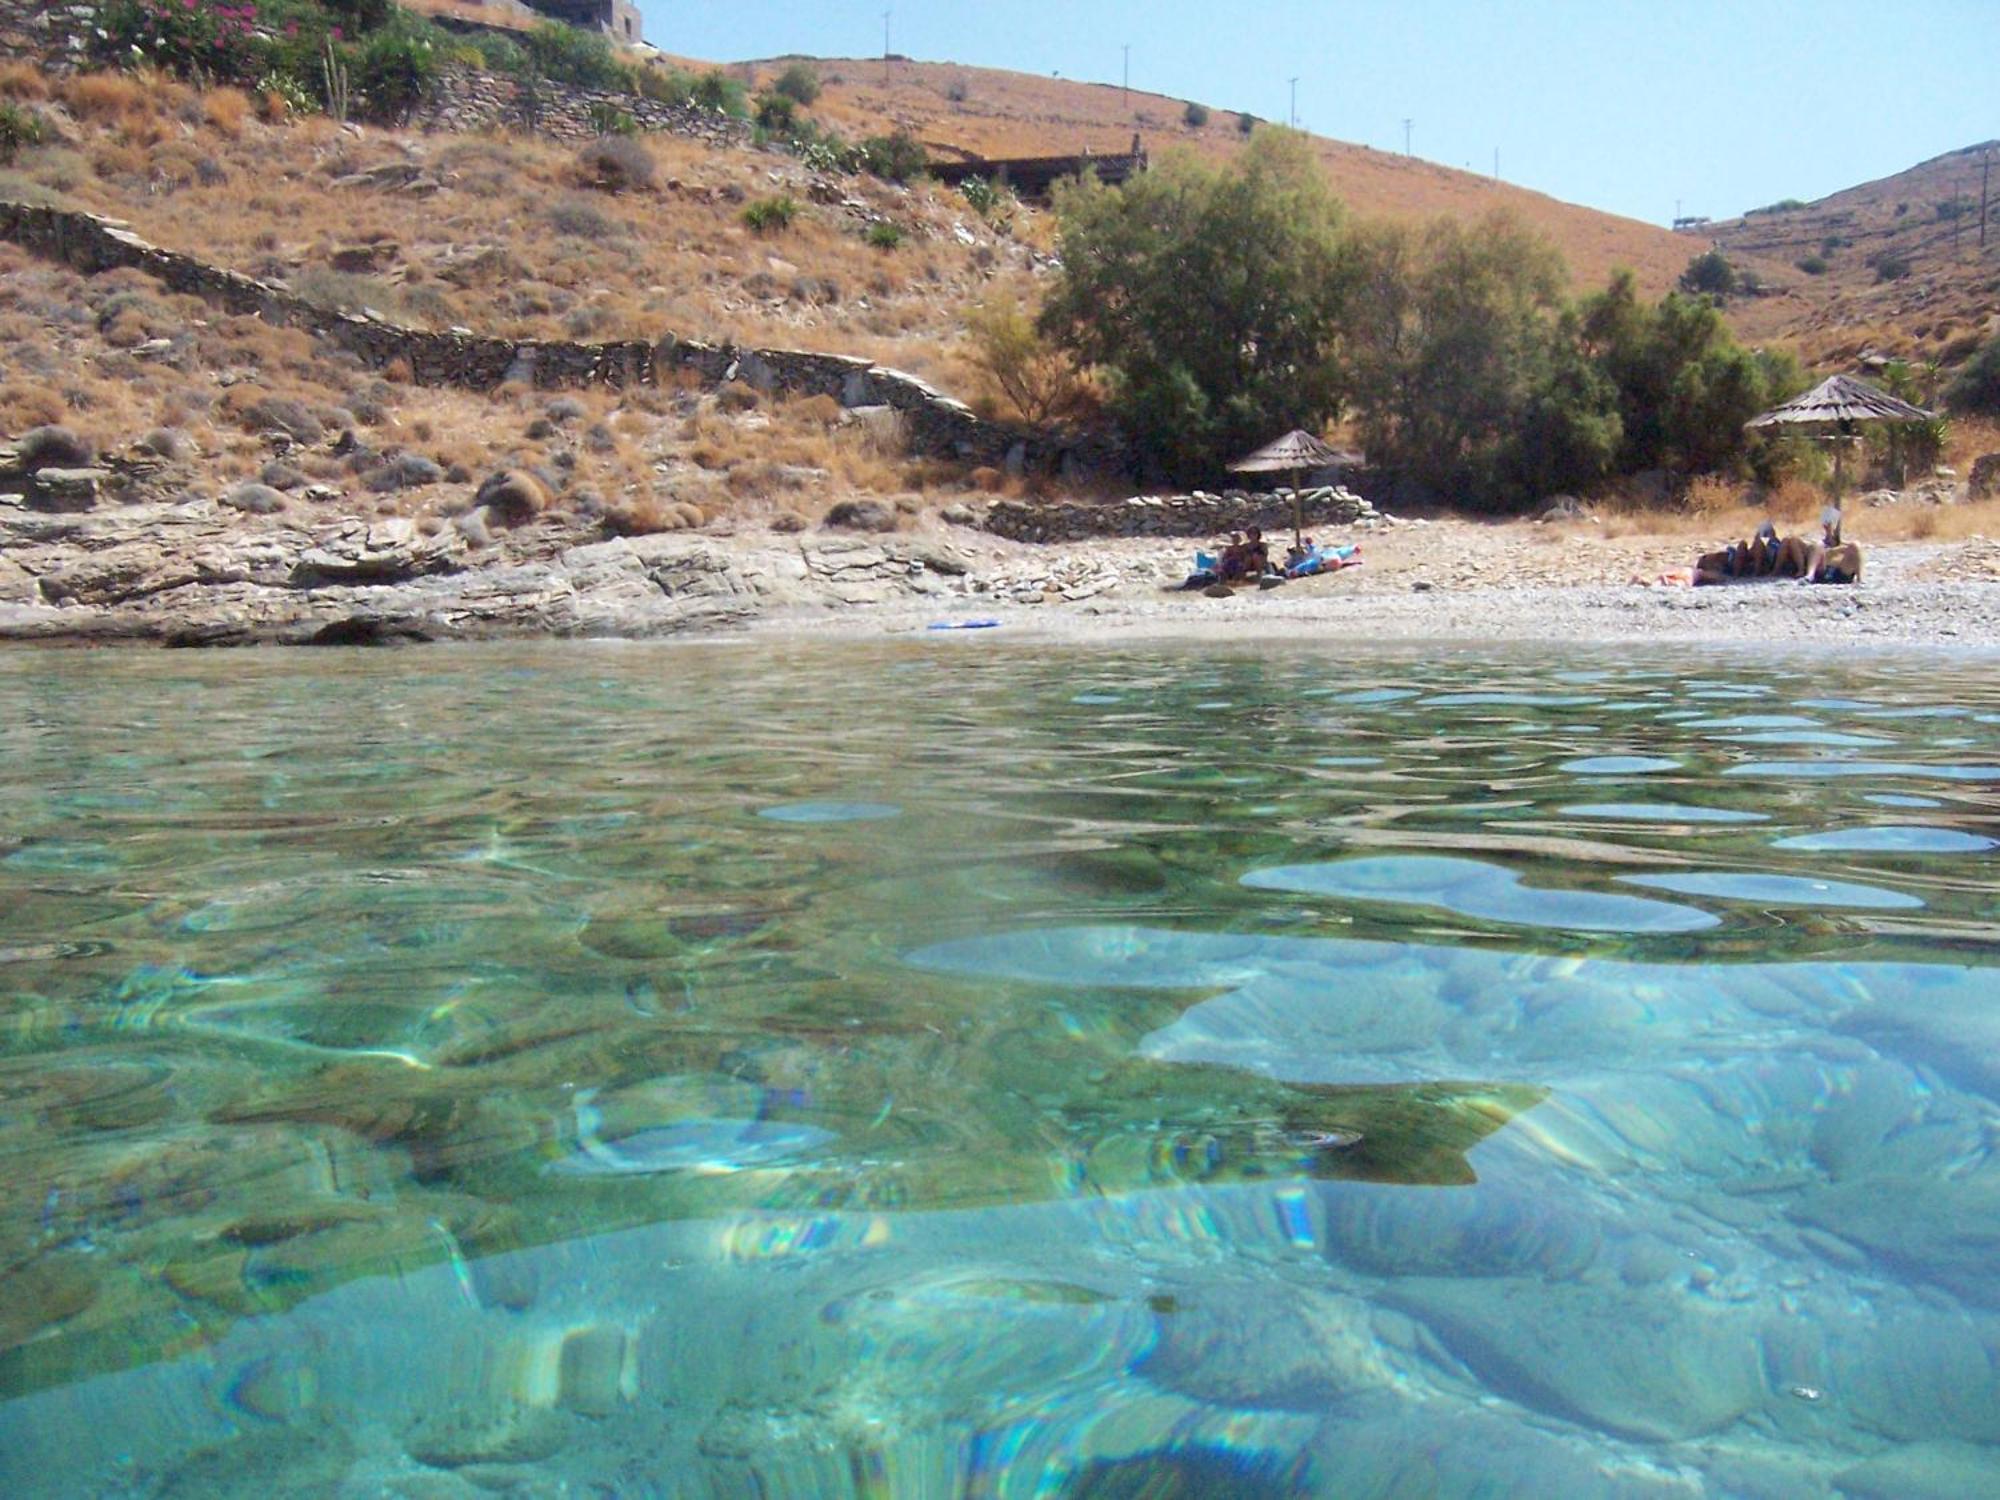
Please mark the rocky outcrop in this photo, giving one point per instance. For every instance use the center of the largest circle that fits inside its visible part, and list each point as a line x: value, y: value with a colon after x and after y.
x: 934, y: 424
x: 199, y: 573
x: 1196, y: 514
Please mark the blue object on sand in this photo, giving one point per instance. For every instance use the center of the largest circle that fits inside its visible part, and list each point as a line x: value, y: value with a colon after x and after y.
x: 963, y: 625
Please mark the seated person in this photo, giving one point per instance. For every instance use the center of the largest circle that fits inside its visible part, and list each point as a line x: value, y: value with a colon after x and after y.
x: 1755, y: 558
x: 1247, y: 560
x: 1835, y: 561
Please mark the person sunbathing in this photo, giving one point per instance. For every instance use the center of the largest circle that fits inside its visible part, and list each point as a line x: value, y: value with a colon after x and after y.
x: 1756, y: 558
x: 1767, y: 555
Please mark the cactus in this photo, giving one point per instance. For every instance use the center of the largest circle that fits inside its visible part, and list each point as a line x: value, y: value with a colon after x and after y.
x: 334, y: 72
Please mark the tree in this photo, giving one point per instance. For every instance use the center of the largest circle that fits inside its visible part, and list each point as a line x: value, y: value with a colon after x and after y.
x: 1684, y: 386
x: 1038, y: 379
x: 1709, y: 272
x: 1976, y: 387
x: 1467, y: 374
x: 1212, y: 297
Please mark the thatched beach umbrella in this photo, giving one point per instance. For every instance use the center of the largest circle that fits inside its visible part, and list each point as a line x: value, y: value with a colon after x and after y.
x: 1835, y: 411
x: 1294, y: 453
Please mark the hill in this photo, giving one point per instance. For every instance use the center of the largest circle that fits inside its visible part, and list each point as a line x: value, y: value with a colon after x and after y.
x: 960, y: 111
x: 1892, y: 266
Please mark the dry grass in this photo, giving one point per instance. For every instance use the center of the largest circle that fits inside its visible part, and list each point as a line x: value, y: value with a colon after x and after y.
x: 22, y: 81
x: 226, y: 109
x: 506, y: 244
x: 104, y: 98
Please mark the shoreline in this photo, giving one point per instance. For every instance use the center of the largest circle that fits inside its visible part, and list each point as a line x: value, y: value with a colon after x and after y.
x: 195, y: 574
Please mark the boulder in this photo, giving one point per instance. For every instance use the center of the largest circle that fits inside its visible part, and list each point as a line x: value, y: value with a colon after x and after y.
x: 1984, y: 482
x: 67, y: 489
x: 254, y: 499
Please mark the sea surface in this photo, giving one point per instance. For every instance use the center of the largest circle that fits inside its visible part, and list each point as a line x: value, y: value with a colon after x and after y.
x: 955, y: 1067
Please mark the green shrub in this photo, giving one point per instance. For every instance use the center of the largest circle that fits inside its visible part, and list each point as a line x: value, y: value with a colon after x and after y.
x: 1710, y: 273
x: 1948, y: 209
x: 395, y: 68
x: 18, y: 128
x: 609, y: 119
x: 717, y: 91
x: 798, y: 83
x: 825, y: 152
x: 662, y: 85
x: 883, y: 235
x: 959, y: 89
x: 1890, y: 265
x: 777, y: 113
x: 1976, y: 387
x: 1782, y: 206
x: 896, y: 157
x: 500, y: 54
x: 1245, y: 123
x: 1195, y: 115
x: 771, y: 215
x: 1812, y: 265
x: 981, y: 196
x: 568, y: 54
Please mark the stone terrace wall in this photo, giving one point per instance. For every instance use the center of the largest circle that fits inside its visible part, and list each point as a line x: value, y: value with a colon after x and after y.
x: 935, y: 424
x: 469, y: 100
x: 1198, y: 514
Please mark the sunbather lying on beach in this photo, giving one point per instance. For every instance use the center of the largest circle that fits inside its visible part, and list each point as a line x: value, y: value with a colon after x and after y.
x: 1767, y: 555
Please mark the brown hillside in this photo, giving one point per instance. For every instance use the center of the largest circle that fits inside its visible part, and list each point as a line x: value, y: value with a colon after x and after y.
x: 1001, y: 113
x: 1940, y: 307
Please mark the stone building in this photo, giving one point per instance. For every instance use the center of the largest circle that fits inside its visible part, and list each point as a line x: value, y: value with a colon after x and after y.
x: 617, y: 18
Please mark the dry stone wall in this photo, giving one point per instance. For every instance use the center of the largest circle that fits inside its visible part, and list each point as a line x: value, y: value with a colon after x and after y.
x: 1196, y: 514
x: 469, y: 100
x: 934, y: 424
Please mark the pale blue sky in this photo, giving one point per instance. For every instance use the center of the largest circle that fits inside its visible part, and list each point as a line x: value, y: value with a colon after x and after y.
x: 1619, y: 105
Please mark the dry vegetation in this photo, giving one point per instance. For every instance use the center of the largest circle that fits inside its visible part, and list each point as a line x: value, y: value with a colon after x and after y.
x: 1940, y: 299
x: 515, y: 240
x: 235, y: 400
x: 959, y: 111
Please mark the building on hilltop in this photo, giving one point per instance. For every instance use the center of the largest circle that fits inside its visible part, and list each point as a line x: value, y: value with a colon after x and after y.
x: 617, y: 18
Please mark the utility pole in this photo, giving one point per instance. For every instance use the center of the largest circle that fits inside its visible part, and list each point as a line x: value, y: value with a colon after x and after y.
x: 1985, y: 175
x: 1496, y: 163
x: 885, y: 40
x: 1406, y: 136
x: 1125, y: 78
x: 1292, y: 118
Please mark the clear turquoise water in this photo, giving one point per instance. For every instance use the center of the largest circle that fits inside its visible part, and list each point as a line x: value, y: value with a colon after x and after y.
x: 962, y: 1069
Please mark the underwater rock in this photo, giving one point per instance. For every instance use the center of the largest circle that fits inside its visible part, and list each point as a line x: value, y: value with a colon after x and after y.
x: 453, y: 1437
x: 1659, y: 1370
x: 42, y: 1294
x: 1924, y: 1471
x: 1281, y: 1350
x: 1944, y: 1230
x: 1488, y: 1230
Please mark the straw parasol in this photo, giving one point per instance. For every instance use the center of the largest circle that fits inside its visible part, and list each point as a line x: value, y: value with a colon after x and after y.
x: 1835, y: 410
x: 1294, y: 453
